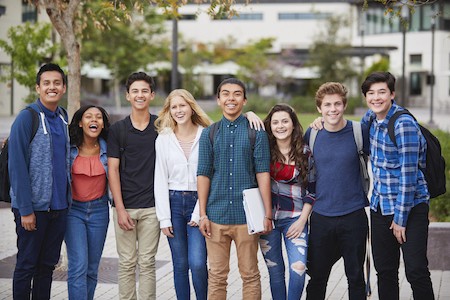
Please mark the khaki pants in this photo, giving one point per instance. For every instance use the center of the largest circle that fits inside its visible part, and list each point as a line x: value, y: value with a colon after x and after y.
x: 218, y: 247
x: 138, y: 247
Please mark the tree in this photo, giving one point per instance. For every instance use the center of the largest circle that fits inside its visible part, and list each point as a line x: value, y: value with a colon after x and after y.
x: 126, y: 46
x: 69, y: 17
x: 29, y: 44
x: 327, y: 53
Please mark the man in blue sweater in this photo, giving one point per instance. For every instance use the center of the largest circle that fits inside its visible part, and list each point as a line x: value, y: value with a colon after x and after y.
x: 40, y: 186
x: 338, y: 223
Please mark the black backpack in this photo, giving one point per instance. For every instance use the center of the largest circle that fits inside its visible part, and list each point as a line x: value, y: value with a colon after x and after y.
x: 5, y: 185
x: 435, y: 163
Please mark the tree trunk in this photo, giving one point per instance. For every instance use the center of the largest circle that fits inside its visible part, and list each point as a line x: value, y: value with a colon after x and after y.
x: 62, y: 15
x: 117, y: 94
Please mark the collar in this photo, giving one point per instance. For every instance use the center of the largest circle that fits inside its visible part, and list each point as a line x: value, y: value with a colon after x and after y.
x: 48, y: 113
x: 238, y: 121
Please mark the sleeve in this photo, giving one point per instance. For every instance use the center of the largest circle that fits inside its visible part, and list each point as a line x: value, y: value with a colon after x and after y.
x: 205, y: 155
x: 18, y: 162
x: 113, y: 149
x: 261, y: 154
x: 162, y: 202
x: 407, y: 137
x: 310, y: 196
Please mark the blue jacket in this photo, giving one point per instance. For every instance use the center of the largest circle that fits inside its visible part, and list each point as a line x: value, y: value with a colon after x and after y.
x: 103, y: 158
x: 30, y: 164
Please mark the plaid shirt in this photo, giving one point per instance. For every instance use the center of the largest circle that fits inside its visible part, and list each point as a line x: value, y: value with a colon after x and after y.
x: 288, y: 195
x: 398, y: 183
x: 231, y: 168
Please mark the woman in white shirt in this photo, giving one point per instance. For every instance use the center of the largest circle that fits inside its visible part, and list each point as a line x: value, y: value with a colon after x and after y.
x: 179, y: 125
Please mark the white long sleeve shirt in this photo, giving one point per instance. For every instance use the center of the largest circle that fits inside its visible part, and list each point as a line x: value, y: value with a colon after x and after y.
x: 173, y: 171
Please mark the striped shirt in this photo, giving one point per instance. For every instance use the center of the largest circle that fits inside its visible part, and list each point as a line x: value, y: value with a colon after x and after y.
x: 398, y: 183
x: 230, y: 166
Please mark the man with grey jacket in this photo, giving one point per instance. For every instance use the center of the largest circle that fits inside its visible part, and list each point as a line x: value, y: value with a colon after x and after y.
x: 40, y: 185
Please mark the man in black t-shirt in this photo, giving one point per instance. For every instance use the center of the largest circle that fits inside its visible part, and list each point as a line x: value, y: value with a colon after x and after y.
x: 132, y: 140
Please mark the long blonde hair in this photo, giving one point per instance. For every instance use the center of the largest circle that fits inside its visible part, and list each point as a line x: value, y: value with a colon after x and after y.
x: 165, y: 120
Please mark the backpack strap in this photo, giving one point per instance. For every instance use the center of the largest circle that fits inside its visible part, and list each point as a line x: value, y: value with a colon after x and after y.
x: 35, y: 122
x: 391, y: 123
x: 357, y: 134
x: 312, y: 138
x: 213, y: 131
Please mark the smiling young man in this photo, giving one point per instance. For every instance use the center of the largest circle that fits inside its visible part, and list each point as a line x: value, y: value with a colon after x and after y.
x: 225, y: 168
x: 400, y: 199
x: 338, y: 223
x: 40, y: 186
x: 131, y: 168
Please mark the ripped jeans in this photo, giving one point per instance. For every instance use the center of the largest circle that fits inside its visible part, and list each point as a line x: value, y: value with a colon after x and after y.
x: 297, y: 249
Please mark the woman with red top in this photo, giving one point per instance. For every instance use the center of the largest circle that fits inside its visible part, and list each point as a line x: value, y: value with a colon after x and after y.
x: 293, y: 194
x: 88, y: 217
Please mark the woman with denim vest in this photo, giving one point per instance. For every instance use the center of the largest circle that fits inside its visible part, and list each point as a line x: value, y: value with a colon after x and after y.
x: 88, y: 217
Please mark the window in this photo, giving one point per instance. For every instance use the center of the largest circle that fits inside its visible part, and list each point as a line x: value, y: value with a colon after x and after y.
x: 241, y: 17
x: 415, y: 84
x: 303, y: 16
x: 29, y: 12
x: 415, y: 59
x: 188, y: 17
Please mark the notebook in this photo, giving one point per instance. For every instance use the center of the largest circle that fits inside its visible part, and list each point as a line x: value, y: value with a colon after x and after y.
x: 254, y: 210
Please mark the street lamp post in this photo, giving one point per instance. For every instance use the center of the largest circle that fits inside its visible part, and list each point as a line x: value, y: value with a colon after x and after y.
x: 433, y: 27
x: 404, y: 24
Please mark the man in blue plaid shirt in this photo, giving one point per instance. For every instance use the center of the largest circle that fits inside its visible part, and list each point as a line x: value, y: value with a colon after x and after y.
x: 400, y: 199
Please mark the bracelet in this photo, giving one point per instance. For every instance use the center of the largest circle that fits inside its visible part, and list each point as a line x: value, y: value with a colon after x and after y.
x: 268, y: 218
x: 202, y: 218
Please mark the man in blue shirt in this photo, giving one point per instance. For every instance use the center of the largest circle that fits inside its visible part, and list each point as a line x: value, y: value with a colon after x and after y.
x: 339, y: 224
x: 40, y: 187
x: 226, y: 167
x: 400, y: 198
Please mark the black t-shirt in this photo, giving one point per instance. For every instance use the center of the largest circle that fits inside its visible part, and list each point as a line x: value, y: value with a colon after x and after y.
x: 137, y: 179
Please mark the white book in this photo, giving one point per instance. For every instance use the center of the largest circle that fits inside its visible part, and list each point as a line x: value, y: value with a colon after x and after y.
x: 254, y: 210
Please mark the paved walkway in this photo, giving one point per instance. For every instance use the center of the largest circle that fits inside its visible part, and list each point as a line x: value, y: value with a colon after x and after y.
x: 108, y: 289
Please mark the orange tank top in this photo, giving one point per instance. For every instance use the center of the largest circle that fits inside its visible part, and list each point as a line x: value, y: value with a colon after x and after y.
x: 88, y: 178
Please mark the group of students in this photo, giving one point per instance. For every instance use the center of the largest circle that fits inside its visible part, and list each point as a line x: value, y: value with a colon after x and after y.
x: 171, y: 173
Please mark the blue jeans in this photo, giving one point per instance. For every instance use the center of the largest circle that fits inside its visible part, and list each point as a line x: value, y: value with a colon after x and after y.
x: 297, y: 249
x: 87, y: 224
x: 386, y: 254
x: 38, y: 253
x: 188, y: 247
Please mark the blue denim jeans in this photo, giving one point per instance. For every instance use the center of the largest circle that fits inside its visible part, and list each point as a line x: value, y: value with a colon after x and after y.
x: 38, y: 253
x: 271, y: 248
x: 188, y: 247
x: 87, y: 224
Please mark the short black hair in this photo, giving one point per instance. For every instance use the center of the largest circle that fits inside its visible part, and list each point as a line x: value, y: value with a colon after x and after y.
x: 232, y: 81
x: 140, y: 76
x: 376, y: 77
x: 50, y: 67
x: 76, y: 132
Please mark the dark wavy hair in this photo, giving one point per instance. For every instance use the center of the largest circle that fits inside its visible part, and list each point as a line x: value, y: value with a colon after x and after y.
x: 76, y: 132
x: 297, y: 144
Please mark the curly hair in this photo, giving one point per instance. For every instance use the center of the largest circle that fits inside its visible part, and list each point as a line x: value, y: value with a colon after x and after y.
x: 331, y: 88
x: 76, y: 132
x: 296, y: 153
x: 165, y: 120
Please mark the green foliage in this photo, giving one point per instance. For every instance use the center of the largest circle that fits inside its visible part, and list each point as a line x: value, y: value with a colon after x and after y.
x: 29, y: 45
x: 381, y: 65
x: 440, y: 206
x: 327, y: 53
x: 126, y: 46
x: 259, y: 104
